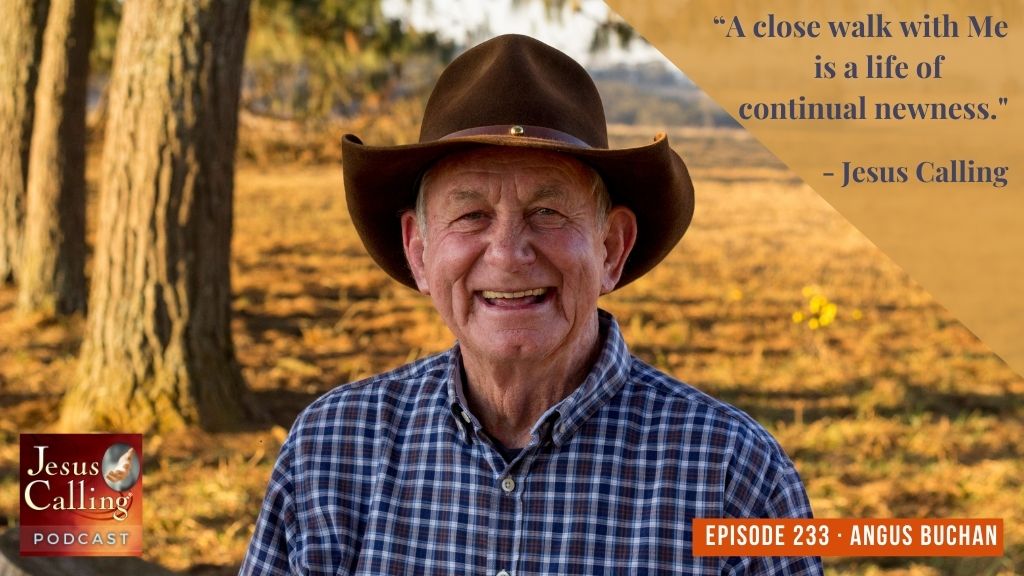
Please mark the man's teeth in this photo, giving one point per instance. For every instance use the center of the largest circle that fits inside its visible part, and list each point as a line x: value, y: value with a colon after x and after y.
x: 490, y: 294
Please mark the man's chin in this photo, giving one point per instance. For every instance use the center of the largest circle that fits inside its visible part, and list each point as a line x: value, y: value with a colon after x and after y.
x: 512, y: 345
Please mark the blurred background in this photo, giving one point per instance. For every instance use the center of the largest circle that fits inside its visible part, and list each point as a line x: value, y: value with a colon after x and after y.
x: 165, y: 277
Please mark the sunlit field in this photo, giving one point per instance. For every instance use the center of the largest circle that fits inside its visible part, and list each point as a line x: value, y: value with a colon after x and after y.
x: 773, y: 302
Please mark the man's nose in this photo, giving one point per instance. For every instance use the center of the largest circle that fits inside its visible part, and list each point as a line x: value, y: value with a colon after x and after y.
x: 510, y: 244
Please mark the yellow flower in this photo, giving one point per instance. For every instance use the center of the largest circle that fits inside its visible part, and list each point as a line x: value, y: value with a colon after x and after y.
x: 798, y: 317
x: 828, y: 314
x: 813, y: 323
x: 816, y: 303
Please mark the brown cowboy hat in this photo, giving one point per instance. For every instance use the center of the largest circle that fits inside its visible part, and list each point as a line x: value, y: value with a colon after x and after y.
x: 516, y: 91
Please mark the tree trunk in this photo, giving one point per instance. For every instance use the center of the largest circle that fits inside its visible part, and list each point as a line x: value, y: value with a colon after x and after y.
x: 157, y: 353
x: 52, y: 272
x: 21, y: 40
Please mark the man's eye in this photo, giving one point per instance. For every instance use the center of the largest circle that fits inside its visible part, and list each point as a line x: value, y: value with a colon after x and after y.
x: 545, y: 212
x: 471, y: 220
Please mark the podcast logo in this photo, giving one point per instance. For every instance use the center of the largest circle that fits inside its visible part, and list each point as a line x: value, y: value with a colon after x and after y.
x: 81, y: 494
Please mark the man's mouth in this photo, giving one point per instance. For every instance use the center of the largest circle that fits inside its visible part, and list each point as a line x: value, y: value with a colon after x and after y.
x: 515, y: 298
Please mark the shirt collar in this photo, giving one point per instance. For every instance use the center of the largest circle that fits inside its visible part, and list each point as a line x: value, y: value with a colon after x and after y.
x: 605, y: 378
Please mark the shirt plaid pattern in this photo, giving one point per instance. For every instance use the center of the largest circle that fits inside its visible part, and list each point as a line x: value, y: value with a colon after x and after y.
x: 394, y: 475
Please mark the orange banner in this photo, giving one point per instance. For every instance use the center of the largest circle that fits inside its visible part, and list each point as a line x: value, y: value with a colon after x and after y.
x: 848, y: 537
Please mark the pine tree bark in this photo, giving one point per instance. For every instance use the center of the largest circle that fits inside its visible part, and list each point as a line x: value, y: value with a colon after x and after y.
x: 52, y: 272
x: 21, y: 40
x: 157, y: 353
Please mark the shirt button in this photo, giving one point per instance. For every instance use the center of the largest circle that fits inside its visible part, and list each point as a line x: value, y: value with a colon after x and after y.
x: 509, y: 486
x: 503, y: 573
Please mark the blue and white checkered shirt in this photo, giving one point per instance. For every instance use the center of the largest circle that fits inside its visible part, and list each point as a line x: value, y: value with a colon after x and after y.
x: 394, y: 475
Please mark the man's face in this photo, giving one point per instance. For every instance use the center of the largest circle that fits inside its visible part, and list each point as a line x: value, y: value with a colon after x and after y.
x: 515, y: 253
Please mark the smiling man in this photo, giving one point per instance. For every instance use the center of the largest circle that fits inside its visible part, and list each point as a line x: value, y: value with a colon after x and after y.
x: 537, y: 444
x: 514, y: 246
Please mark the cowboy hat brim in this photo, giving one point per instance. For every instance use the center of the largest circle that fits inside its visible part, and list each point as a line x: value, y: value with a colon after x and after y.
x: 381, y: 182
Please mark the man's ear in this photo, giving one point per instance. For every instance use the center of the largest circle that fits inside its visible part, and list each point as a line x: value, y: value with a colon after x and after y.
x: 412, y: 243
x: 619, y: 238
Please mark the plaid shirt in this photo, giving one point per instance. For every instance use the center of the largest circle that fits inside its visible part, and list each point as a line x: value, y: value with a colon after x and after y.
x: 394, y: 475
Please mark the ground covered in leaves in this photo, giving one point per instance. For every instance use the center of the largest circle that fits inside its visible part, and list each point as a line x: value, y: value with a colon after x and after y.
x: 888, y: 406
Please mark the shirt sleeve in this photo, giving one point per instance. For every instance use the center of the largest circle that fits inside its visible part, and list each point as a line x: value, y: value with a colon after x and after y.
x: 764, y: 483
x: 273, y: 549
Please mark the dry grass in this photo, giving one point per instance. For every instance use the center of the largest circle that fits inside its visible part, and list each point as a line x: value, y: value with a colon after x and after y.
x: 892, y: 409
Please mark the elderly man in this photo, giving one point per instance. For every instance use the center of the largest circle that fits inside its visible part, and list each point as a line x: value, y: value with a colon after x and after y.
x: 537, y: 444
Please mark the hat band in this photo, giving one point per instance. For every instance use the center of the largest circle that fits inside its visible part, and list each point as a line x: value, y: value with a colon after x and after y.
x: 519, y: 131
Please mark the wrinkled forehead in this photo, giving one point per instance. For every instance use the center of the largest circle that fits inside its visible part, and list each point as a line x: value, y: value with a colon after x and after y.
x: 482, y: 170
